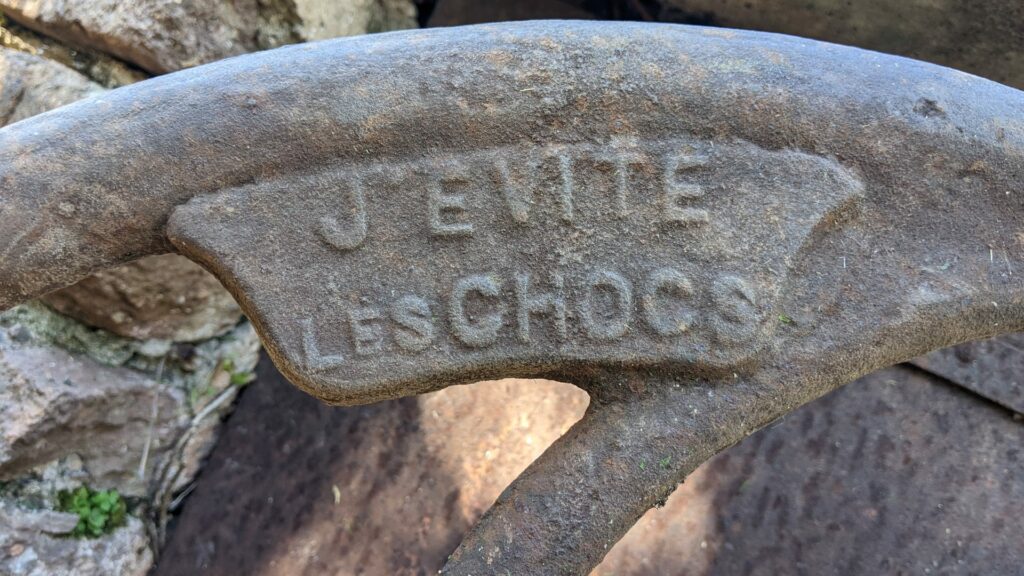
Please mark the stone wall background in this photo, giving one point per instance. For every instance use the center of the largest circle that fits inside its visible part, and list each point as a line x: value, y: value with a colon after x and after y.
x: 122, y: 381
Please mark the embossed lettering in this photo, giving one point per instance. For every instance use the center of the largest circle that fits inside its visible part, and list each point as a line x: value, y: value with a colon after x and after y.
x: 415, y: 329
x: 546, y: 269
x: 517, y: 198
x: 549, y: 304
x: 667, y: 320
x: 737, y: 309
x: 621, y: 160
x: 668, y: 307
x: 606, y: 320
x: 315, y: 361
x: 367, y: 337
x: 446, y: 206
x: 349, y: 237
x: 678, y: 194
x: 565, y: 191
x: 471, y: 331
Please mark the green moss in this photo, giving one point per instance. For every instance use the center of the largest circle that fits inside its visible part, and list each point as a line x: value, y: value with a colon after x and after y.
x: 46, y: 325
x: 187, y: 367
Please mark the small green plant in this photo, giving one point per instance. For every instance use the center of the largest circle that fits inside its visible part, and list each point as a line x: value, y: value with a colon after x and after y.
x: 238, y: 378
x: 99, y: 511
x: 242, y: 378
x: 785, y: 319
x: 199, y: 394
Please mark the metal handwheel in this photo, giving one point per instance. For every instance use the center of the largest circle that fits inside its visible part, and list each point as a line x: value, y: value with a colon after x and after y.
x: 704, y: 229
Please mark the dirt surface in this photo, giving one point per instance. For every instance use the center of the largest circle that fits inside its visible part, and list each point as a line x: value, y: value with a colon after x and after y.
x: 862, y: 482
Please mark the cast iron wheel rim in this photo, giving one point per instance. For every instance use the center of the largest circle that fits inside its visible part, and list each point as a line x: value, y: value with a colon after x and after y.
x: 704, y: 236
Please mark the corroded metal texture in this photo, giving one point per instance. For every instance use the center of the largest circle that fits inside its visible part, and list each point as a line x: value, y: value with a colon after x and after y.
x: 703, y: 228
x: 983, y: 37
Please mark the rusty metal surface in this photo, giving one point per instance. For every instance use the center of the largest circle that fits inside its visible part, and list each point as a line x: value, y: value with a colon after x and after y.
x: 983, y: 37
x: 895, y: 473
x: 704, y: 229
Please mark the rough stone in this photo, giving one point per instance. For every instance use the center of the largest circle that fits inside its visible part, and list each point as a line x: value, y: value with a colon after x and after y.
x: 161, y: 36
x: 30, y: 85
x: 165, y: 297
x: 46, y: 521
x: 321, y: 19
x: 127, y: 409
x: 157, y: 36
x: 80, y: 406
x: 53, y: 403
x: 461, y: 12
x: 98, y: 67
x: 32, y: 543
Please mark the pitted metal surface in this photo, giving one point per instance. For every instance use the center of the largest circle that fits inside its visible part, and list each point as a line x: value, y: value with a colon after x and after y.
x: 704, y: 229
x: 523, y: 257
